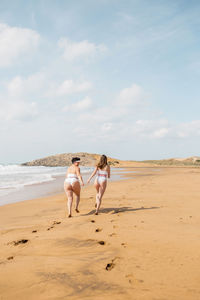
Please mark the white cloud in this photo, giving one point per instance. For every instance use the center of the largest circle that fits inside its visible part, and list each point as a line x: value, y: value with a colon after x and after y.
x: 15, y: 86
x: 19, y: 95
x: 116, y: 120
x: 17, y: 110
x: 188, y: 129
x: 159, y: 128
x: 30, y: 86
x: 107, y: 126
x: 83, y: 104
x: 125, y: 107
x: 131, y: 96
x: 70, y: 87
x: 83, y: 49
x: 119, y: 119
x: 15, y: 42
x: 160, y: 133
x: 162, y: 128
x: 40, y: 85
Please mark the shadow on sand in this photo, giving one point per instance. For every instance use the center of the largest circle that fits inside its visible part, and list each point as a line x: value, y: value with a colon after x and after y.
x: 116, y: 210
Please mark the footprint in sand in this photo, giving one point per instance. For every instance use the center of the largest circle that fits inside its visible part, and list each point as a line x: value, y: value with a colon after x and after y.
x: 56, y: 222
x: 98, y: 229
x: 50, y: 227
x: 124, y: 245
x: 34, y: 231
x: 111, y: 265
x: 101, y: 243
x: 112, y: 234
x: 10, y: 257
x: 131, y: 279
x: 92, y: 221
x: 16, y: 243
x: 138, y: 267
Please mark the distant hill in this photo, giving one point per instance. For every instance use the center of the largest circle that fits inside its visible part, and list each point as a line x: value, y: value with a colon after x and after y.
x: 64, y: 159
x: 90, y: 159
x: 188, y: 161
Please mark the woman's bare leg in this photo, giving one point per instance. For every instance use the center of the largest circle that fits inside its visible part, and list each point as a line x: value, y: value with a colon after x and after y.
x: 77, y: 189
x: 77, y: 203
x: 97, y: 186
x: 69, y: 193
x: 69, y: 203
x: 102, y: 189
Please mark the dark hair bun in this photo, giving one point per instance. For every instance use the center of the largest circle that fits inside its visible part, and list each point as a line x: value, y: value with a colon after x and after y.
x: 74, y: 159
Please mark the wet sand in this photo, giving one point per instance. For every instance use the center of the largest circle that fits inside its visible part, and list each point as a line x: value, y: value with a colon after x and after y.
x: 144, y: 244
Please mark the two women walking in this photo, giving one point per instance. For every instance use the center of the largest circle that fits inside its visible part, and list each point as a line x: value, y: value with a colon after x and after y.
x: 74, y: 181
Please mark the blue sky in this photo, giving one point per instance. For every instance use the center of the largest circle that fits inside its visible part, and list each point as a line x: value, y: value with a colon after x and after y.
x: 105, y: 76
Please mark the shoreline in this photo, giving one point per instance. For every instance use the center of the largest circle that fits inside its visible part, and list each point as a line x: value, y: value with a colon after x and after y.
x: 142, y: 245
x: 49, y: 188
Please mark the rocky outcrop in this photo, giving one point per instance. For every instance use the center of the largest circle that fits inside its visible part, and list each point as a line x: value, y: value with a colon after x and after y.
x: 89, y: 159
x: 64, y: 159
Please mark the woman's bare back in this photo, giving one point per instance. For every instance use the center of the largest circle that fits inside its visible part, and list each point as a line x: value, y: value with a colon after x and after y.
x: 72, y: 170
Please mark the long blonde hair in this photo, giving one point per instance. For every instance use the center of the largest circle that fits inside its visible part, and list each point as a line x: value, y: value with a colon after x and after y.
x: 102, y: 162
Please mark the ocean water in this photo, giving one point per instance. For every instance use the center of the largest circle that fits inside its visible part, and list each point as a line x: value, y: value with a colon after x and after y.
x: 21, y: 183
x: 16, y: 177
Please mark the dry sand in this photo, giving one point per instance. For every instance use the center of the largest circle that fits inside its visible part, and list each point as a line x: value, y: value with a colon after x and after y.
x: 150, y: 226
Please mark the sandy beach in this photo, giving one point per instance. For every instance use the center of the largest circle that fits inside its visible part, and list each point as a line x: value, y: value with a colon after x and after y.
x: 144, y: 244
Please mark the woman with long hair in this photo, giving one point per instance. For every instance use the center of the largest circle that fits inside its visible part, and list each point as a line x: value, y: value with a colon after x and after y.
x: 72, y: 184
x: 103, y: 172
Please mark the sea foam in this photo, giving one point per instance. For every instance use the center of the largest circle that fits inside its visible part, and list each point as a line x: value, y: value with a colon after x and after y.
x: 15, y: 177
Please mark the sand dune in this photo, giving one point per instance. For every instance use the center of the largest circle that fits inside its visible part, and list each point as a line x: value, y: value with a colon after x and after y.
x: 143, y: 245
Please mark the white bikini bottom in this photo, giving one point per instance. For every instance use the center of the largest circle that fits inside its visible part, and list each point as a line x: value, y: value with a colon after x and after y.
x: 71, y: 180
x: 101, y: 179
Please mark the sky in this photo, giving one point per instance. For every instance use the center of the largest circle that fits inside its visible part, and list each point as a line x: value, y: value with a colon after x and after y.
x: 117, y: 77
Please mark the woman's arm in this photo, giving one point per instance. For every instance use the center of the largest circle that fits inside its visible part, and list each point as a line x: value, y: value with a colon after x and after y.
x: 78, y: 173
x: 108, y: 171
x: 92, y: 175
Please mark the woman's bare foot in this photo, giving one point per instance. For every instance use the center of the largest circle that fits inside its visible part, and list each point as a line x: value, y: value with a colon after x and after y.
x: 69, y: 216
x: 76, y: 209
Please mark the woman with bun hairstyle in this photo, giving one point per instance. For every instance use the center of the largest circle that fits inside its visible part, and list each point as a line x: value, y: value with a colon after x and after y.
x: 72, y: 184
x: 103, y: 172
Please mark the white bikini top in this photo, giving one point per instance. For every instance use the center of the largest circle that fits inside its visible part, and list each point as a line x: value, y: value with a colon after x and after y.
x: 102, y: 173
x: 71, y: 175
